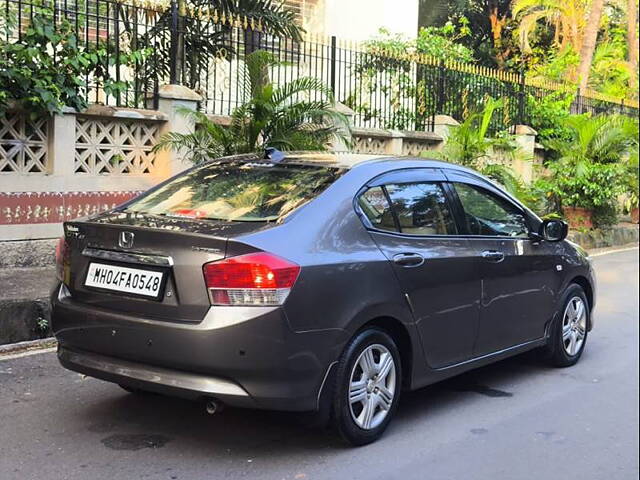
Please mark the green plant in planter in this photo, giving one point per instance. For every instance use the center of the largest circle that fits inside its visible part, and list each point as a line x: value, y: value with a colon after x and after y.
x: 590, y: 170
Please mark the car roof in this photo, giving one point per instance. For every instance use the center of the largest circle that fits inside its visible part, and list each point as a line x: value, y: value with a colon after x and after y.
x: 345, y: 160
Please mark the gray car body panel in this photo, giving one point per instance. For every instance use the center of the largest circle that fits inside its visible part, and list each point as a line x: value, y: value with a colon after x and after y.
x: 281, y: 356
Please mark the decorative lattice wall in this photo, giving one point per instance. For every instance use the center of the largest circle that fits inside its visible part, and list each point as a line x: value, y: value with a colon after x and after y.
x: 414, y: 147
x: 115, y: 146
x: 23, y: 144
x: 362, y: 144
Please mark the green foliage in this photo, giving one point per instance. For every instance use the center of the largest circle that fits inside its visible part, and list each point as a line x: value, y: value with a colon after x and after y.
x: 444, y: 42
x: 548, y: 115
x: 396, y: 79
x: 468, y: 143
x: 590, y: 170
x: 204, y: 40
x: 605, y: 215
x: 610, y: 72
x: 588, y: 185
x: 630, y: 180
x: 46, y: 69
x: 270, y: 117
x: 554, y: 65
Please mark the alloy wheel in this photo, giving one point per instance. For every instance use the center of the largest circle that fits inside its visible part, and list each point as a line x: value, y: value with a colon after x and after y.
x: 574, y: 325
x: 372, y: 386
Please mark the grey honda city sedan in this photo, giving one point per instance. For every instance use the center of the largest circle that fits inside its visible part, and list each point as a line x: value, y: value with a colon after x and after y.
x: 316, y: 282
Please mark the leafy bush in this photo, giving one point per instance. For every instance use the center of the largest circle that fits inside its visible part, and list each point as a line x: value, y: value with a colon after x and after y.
x: 46, y: 68
x: 605, y: 216
x: 590, y: 171
x: 548, y: 115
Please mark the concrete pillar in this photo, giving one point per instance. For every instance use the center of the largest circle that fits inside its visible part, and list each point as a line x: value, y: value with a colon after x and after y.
x: 171, y: 98
x: 443, y: 125
x: 525, y: 137
x: 62, y: 143
x: 338, y: 144
x: 394, y: 144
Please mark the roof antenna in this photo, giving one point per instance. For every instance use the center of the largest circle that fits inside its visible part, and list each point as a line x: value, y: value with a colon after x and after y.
x: 273, y: 154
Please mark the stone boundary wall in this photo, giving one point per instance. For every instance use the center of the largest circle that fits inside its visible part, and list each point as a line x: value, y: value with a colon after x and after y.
x: 79, y: 163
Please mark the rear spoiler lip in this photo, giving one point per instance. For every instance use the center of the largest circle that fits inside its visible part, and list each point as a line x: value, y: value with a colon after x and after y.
x: 69, y: 225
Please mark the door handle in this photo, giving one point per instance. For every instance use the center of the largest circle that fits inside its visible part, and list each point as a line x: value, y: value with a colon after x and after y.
x: 408, y: 259
x: 493, y: 255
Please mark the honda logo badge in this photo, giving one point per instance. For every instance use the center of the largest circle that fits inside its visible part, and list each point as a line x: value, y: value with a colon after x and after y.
x: 126, y: 239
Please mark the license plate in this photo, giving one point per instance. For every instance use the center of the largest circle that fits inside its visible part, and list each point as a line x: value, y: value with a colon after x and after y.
x: 124, y: 279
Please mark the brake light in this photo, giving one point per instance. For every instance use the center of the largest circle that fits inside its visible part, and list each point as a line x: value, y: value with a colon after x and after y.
x: 62, y: 258
x: 253, y: 279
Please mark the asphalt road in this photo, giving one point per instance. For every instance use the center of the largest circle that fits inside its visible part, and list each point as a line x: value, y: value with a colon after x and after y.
x: 513, y: 420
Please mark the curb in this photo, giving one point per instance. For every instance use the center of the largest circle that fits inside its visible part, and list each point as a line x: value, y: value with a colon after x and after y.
x: 35, y: 346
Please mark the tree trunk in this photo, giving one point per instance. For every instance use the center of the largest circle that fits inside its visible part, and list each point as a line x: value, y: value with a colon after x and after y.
x: 589, y: 43
x: 632, y: 41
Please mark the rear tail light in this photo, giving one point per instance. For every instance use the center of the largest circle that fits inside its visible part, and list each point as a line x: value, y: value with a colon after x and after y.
x: 253, y: 279
x: 62, y: 259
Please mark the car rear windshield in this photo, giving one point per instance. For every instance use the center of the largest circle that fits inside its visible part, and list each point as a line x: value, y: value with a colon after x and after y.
x: 244, y: 192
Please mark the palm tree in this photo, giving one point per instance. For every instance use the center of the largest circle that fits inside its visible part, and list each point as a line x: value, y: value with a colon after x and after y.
x: 603, y: 139
x: 298, y: 115
x: 589, y: 43
x: 567, y: 17
x: 199, y: 38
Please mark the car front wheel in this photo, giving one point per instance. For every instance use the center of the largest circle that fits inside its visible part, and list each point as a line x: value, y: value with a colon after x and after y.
x: 569, y: 333
x: 367, y: 391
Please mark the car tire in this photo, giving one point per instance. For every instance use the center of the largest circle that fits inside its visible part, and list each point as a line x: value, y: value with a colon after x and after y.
x: 568, y: 334
x: 367, y: 387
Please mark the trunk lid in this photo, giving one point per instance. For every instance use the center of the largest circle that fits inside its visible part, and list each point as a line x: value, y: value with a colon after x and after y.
x: 176, y: 247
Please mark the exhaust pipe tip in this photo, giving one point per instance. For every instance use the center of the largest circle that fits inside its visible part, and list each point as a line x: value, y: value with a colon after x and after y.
x: 213, y: 406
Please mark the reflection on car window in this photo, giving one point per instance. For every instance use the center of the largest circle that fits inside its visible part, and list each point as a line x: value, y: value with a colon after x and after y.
x: 421, y: 209
x: 237, y: 191
x: 487, y: 215
x: 374, y: 205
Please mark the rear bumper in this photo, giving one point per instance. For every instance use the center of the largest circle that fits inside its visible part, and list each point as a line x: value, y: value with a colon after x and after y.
x: 244, y: 356
x: 156, y: 379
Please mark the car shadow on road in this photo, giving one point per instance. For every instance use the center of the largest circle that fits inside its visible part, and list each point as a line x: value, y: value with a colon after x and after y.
x: 132, y: 421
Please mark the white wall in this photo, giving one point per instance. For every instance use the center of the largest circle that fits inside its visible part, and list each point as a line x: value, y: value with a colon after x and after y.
x: 361, y: 19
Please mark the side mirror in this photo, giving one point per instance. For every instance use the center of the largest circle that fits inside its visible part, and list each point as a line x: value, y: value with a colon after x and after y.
x: 553, y: 230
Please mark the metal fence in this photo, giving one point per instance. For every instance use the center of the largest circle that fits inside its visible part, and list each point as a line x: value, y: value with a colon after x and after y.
x: 205, y: 50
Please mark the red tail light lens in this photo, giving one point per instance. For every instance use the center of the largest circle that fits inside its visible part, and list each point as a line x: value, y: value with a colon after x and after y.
x: 62, y: 258
x: 253, y: 279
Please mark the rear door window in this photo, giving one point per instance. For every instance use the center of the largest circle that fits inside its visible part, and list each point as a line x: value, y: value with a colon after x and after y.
x: 243, y: 192
x: 419, y: 208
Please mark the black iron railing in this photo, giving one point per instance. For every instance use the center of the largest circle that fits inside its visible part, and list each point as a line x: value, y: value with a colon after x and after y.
x: 205, y: 50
